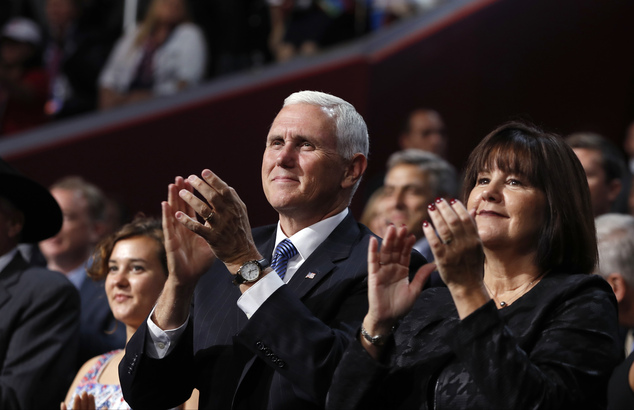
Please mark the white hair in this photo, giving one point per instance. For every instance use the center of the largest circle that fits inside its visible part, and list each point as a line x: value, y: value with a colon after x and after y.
x: 615, y: 242
x: 443, y: 177
x: 350, y: 128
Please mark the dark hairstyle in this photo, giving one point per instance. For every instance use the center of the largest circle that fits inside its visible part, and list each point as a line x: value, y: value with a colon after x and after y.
x: 32, y: 61
x: 139, y: 227
x: 612, y: 160
x: 567, y: 241
x: 407, y: 125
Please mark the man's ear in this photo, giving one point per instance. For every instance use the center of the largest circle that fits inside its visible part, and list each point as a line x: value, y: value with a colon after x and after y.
x: 354, y: 172
x: 618, y: 285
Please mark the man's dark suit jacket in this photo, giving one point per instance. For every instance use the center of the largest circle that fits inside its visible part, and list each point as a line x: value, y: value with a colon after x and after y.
x: 39, y: 336
x: 283, y: 357
x: 99, y: 331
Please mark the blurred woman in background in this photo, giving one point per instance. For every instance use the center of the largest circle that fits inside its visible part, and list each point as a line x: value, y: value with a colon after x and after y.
x: 165, y: 54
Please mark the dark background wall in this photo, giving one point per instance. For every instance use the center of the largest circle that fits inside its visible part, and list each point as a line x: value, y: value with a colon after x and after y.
x: 567, y: 65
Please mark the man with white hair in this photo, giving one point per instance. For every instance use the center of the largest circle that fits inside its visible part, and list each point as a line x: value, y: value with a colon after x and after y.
x: 615, y: 242
x: 272, y: 339
x: 414, y: 179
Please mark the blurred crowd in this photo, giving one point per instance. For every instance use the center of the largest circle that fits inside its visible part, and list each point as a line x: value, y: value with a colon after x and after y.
x: 61, y: 58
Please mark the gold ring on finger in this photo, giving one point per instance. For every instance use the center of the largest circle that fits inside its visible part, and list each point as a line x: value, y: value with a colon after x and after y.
x: 208, y: 217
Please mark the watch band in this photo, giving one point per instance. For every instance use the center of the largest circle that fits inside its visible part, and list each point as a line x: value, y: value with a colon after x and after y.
x: 376, y: 340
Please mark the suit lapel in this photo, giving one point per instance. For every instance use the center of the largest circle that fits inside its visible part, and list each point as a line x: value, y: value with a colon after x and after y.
x: 266, y: 247
x: 323, y: 260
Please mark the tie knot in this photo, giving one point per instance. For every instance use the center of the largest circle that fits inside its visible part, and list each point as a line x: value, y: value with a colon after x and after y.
x: 283, y: 252
x: 286, y: 249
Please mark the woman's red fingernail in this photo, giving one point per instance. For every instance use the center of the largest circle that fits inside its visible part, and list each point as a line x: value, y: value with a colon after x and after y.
x: 453, y: 201
x: 425, y: 224
x: 438, y: 200
x: 431, y: 207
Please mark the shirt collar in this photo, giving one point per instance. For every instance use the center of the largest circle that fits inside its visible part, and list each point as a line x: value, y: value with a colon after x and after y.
x: 308, y: 239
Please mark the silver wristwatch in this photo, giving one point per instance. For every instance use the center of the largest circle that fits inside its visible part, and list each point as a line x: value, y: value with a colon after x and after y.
x: 250, y: 271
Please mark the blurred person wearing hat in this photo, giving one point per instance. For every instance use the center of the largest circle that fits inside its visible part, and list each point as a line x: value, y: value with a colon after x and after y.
x: 39, y: 309
x: 23, y: 80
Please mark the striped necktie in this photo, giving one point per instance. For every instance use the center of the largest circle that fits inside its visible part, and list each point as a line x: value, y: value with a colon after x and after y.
x: 283, y: 252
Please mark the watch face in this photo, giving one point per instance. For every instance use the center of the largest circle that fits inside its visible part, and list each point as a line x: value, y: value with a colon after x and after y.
x: 250, y: 271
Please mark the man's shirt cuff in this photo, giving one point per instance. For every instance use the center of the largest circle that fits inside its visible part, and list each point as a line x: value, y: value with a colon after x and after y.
x: 162, y: 342
x: 257, y: 294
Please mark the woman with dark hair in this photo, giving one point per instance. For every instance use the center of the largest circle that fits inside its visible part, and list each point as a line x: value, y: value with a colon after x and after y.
x: 133, y: 263
x: 522, y: 322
